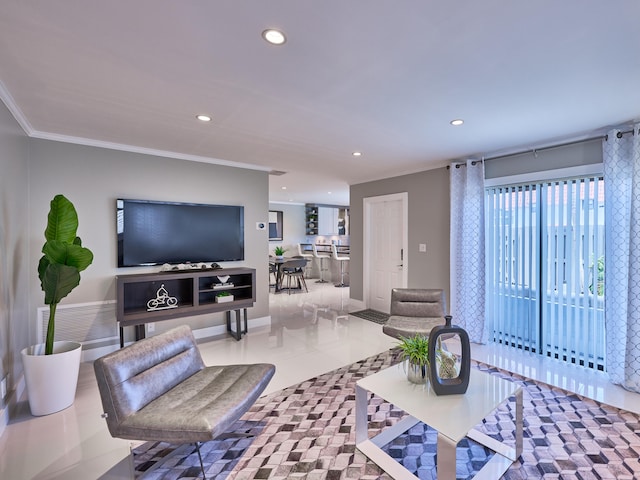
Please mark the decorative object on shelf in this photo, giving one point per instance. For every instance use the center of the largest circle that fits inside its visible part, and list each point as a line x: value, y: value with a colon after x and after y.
x: 444, y: 362
x: 223, y: 279
x: 311, y: 213
x: 195, y: 291
x: 51, y: 369
x: 162, y: 301
x: 279, y: 251
x: 224, y: 297
x: 415, y: 350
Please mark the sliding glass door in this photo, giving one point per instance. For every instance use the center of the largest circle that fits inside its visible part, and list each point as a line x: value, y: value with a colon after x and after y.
x: 545, y: 268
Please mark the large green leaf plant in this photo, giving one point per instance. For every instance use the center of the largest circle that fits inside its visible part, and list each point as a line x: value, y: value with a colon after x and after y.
x: 63, y: 260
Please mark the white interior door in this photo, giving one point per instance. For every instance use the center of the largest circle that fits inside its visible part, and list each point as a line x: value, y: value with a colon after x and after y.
x: 385, y: 246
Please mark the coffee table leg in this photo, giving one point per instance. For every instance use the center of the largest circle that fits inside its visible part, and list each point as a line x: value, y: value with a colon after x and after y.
x: 446, y: 461
x: 361, y: 414
x: 518, y: 423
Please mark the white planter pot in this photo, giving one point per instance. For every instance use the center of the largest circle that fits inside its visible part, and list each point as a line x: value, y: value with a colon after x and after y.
x: 228, y: 298
x: 51, y: 379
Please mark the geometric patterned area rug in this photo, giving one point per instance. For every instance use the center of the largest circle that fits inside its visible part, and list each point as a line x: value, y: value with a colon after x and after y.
x: 307, y: 431
x: 372, y: 315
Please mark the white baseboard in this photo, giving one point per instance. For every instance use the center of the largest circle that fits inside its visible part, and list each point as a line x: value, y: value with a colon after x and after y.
x: 94, y: 353
x: 222, y: 329
x: 11, y: 403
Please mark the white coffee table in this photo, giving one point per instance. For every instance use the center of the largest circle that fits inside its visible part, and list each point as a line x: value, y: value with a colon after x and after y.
x: 452, y: 416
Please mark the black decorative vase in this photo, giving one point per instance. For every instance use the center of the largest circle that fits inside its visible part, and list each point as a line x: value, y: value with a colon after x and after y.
x: 456, y: 385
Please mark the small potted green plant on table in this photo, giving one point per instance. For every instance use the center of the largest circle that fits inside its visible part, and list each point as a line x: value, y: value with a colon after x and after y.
x: 415, y: 350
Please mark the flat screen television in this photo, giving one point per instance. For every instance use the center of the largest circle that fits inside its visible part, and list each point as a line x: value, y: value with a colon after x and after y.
x: 155, y: 233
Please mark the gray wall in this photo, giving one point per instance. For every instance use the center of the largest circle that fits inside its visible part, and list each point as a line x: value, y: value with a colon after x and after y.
x: 35, y: 170
x: 293, y: 227
x: 428, y: 220
x: 14, y: 250
x: 93, y: 178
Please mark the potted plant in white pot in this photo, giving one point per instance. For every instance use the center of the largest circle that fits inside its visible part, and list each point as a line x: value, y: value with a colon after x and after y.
x: 51, y: 369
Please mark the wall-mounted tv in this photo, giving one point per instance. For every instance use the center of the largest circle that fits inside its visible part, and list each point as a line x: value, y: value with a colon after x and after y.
x: 154, y: 233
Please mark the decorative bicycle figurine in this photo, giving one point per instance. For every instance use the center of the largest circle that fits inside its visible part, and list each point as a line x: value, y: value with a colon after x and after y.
x: 162, y: 300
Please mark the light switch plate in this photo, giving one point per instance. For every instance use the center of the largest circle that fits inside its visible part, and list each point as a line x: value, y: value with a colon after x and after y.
x: 422, y: 247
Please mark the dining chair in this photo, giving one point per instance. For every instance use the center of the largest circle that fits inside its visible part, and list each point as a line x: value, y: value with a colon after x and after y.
x: 294, y: 269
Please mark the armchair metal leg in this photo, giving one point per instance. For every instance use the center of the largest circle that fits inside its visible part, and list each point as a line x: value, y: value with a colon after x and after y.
x: 204, y: 475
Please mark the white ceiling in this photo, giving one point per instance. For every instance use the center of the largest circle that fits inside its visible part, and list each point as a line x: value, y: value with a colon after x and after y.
x: 380, y: 76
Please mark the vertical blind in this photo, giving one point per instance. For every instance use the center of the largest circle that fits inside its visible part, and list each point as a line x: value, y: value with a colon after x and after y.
x: 545, y: 268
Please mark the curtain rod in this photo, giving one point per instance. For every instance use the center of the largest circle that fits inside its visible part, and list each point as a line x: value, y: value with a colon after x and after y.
x: 536, y: 150
x: 620, y: 134
x: 550, y: 147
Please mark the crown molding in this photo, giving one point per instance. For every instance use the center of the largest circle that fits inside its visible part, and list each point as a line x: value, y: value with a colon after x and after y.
x: 143, y: 150
x: 11, y: 104
x: 13, y: 108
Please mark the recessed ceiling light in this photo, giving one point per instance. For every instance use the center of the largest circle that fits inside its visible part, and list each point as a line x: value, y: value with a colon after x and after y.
x: 274, y: 37
x: 203, y: 118
x: 457, y: 122
x: 329, y: 193
x: 283, y: 188
x: 357, y: 154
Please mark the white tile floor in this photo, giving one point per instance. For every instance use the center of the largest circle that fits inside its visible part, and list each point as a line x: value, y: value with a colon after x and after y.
x: 309, y: 334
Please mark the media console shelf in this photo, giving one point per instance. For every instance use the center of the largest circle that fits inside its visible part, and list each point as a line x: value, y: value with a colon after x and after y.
x: 153, y: 297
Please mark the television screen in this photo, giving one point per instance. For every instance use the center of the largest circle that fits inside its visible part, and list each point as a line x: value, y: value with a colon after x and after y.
x: 152, y: 233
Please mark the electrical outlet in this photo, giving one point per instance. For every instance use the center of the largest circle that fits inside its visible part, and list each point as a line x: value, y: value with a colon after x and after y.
x: 151, y: 327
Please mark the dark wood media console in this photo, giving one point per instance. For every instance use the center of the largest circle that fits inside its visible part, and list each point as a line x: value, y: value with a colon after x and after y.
x: 152, y: 297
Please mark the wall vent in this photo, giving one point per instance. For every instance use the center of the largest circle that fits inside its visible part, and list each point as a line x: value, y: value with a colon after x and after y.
x: 92, y: 324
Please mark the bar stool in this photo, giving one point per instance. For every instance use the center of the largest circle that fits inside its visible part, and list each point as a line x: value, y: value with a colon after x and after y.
x: 306, y: 254
x: 341, y: 259
x: 322, y: 257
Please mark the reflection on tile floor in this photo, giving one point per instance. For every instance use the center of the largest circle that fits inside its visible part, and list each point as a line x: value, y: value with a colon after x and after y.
x: 310, y: 334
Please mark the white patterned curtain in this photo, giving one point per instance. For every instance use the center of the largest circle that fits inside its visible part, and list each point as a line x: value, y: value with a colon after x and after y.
x: 622, y: 256
x: 467, y: 249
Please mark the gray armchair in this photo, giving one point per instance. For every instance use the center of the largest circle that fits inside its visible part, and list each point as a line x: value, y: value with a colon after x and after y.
x: 158, y: 389
x: 415, y: 311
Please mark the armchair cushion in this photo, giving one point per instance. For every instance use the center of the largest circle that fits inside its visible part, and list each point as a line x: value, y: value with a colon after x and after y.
x: 414, y: 311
